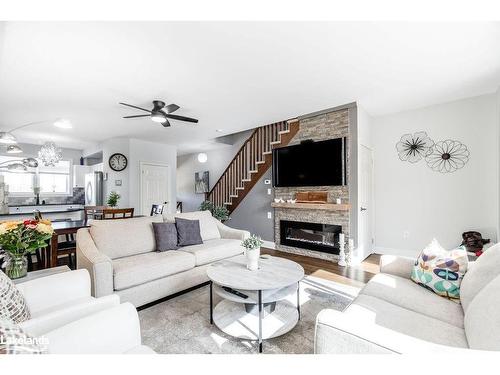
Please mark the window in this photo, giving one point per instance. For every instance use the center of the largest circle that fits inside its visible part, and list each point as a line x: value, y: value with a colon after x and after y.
x: 55, y: 180
x: 52, y: 180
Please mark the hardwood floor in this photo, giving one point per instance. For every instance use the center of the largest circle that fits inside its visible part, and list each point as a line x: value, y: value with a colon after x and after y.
x: 356, y: 276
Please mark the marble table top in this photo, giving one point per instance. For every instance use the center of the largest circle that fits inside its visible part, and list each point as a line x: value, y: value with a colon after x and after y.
x: 273, y: 273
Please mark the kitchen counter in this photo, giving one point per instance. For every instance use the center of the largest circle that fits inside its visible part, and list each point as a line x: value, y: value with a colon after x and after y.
x: 43, y: 212
x: 48, y: 211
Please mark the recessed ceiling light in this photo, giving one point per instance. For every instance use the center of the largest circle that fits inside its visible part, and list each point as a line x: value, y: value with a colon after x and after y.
x: 202, y: 157
x: 219, y: 130
x: 63, y: 124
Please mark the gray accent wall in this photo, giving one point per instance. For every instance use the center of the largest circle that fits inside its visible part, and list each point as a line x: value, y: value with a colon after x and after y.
x: 251, y: 214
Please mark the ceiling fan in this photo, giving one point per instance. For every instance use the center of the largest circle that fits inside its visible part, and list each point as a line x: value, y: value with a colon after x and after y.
x: 161, y: 113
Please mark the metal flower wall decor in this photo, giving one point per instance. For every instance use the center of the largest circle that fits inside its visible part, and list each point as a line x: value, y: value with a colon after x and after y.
x: 444, y: 156
x: 413, y: 147
x: 448, y: 156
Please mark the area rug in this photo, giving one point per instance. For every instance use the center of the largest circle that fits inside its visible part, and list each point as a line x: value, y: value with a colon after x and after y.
x: 182, y: 325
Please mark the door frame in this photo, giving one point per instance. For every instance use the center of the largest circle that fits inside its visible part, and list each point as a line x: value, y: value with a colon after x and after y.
x: 371, y: 209
x: 155, y: 164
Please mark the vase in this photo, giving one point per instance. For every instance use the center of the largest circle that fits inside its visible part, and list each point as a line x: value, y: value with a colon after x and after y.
x: 16, y: 266
x: 253, y: 256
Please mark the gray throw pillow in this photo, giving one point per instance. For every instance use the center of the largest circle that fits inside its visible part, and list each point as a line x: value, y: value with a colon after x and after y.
x: 165, y: 236
x: 188, y: 232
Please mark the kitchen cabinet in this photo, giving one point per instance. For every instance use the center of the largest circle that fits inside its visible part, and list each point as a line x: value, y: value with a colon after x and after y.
x: 79, y: 172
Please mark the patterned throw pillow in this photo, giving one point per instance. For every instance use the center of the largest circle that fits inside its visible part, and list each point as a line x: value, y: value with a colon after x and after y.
x: 13, y: 340
x: 440, y: 270
x: 12, y: 303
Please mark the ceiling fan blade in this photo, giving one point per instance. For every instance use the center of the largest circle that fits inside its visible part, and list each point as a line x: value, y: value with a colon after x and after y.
x: 136, y: 116
x: 181, y: 118
x: 133, y: 106
x: 172, y: 108
x: 166, y: 124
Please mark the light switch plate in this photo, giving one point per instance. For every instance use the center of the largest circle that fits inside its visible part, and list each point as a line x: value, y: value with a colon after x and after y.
x: 118, y: 182
x: 269, y: 191
x: 269, y: 215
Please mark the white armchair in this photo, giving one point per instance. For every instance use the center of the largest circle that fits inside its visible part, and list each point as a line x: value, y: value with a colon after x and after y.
x: 112, y: 331
x: 60, y: 299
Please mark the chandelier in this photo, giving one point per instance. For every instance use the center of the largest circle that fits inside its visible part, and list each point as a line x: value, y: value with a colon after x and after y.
x: 50, y: 154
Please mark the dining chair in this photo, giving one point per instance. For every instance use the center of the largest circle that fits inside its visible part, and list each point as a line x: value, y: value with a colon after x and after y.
x: 156, y: 209
x: 64, y: 248
x: 117, y: 213
x: 93, y: 212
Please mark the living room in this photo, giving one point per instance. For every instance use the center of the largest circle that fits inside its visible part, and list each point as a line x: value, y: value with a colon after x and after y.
x: 198, y: 186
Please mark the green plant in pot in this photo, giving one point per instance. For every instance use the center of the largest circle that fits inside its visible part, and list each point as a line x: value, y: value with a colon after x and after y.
x: 252, y: 246
x: 113, y: 199
x: 20, y: 239
x: 221, y: 213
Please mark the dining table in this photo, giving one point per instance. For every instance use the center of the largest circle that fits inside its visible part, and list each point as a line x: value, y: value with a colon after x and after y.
x: 62, y: 228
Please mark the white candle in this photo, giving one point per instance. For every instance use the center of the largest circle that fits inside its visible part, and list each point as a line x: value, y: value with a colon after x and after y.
x: 351, y: 243
x: 341, y: 238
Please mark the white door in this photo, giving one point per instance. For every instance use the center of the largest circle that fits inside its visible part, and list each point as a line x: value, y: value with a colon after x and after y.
x: 365, y: 221
x: 154, y: 186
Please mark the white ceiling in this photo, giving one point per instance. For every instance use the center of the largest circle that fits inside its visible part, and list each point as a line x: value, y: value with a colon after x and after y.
x: 231, y: 76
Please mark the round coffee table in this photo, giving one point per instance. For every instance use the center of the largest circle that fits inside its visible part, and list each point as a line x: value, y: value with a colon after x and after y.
x: 256, y: 305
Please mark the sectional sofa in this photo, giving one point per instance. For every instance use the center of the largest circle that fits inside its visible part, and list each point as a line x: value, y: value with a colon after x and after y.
x: 121, y: 259
x: 392, y: 314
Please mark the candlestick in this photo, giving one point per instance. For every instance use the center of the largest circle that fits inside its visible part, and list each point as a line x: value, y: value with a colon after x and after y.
x: 342, y: 261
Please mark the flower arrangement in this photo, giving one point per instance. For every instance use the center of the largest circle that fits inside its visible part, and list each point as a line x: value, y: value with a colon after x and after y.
x: 113, y: 199
x: 21, y: 238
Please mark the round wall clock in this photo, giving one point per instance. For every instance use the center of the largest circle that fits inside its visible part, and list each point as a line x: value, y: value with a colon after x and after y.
x: 118, y: 162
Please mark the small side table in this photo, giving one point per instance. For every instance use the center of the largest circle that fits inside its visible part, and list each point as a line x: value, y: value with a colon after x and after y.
x: 42, y: 273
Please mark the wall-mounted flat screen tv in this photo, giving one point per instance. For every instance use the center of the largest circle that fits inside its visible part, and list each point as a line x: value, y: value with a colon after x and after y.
x: 310, y: 163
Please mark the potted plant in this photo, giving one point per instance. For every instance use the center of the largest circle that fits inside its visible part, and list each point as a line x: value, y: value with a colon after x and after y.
x: 221, y: 213
x: 20, y: 239
x: 252, y: 246
x: 113, y: 199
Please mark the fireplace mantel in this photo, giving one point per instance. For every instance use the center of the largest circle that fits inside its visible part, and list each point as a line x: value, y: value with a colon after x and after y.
x: 313, y: 206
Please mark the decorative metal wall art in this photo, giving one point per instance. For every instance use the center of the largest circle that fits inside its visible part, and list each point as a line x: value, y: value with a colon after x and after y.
x: 444, y: 156
x: 448, y: 156
x: 414, y: 147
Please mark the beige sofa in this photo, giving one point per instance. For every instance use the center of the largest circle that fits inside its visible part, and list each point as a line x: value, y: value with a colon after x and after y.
x: 392, y: 314
x: 121, y: 258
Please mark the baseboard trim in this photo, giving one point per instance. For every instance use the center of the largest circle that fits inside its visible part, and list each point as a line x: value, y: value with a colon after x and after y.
x: 269, y: 245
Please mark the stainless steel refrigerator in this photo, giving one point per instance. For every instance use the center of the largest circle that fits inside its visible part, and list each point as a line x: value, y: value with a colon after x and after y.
x: 94, y: 189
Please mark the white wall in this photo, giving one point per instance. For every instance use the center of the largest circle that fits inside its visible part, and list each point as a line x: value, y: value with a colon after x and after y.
x: 108, y: 148
x: 188, y: 165
x: 143, y: 151
x: 427, y: 204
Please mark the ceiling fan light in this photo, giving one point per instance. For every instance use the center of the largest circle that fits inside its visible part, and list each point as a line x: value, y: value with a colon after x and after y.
x: 7, y: 138
x: 17, y: 167
x: 157, y: 117
x: 14, y: 149
x: 30, y: 162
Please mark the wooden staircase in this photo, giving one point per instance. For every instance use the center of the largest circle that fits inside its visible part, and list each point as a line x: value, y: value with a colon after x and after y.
x: 252, y: 160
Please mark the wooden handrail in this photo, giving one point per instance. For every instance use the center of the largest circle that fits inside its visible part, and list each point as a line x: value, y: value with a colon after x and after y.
x: 255, y: 149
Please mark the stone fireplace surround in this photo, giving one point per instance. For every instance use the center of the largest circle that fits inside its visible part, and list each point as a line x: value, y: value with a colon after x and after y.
x: 334, y: 124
